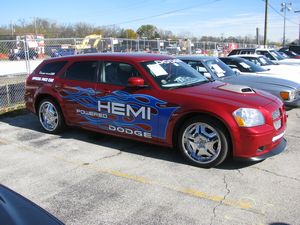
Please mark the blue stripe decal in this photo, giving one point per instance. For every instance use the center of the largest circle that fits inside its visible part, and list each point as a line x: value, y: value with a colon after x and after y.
x: 89, y: 99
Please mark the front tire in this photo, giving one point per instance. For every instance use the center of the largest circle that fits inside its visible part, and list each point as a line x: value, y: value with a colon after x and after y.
x: 203, y: 142
x: 50, y: 116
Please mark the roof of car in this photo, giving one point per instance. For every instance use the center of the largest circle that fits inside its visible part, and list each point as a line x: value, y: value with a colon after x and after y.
x: 233, y: 58
x: 195, y: 57
x: 244, y: 49
x: 247, y: 55
x: 139, y: 57
x: 260, y: 49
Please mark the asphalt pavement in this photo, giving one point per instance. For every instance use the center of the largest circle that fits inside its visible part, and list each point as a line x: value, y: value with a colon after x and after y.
x: 83, y: 177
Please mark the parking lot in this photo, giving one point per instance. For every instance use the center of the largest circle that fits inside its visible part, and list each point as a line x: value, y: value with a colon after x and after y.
x: 88, y: 178
x: 17, y: 67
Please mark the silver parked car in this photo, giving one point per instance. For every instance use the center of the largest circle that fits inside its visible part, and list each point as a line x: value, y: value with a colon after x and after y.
x: 271, y: 54
x: 215, y: 69
x: 239, y: 64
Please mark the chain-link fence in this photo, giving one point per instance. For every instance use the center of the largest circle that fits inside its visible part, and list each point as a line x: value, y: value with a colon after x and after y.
x: 20, y: 57
x: 13, y: 70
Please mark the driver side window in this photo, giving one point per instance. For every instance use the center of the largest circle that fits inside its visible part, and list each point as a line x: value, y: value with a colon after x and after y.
x: 118, y: 73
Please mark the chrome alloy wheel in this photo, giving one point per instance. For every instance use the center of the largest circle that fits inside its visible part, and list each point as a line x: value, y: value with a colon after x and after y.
x: 48, y: 116
x: 201, y: 143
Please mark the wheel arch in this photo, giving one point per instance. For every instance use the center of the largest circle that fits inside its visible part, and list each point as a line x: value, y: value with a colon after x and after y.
x: 207, y: 115
x: 61, y: 123
x: 42, y: 96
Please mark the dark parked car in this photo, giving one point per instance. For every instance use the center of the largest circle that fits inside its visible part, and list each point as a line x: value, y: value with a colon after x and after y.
x: 17, y: 210
x: 21, y: 54
x: 89, y: 50
x: 289, y: 53
x: 63, y: 52
x: 295, y: 48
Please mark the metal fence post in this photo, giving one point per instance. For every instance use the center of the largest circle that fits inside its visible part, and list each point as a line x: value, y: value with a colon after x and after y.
x: 27, y: 57
x: 189, y: 46
x: 112, y: 44
x: 7, y: 94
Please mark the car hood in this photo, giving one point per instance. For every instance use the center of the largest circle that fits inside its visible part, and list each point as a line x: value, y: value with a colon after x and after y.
x: 17, y: 210
x: 238, y: 95
x: 258, y: 81
x: 289, y: 62
x: 288, y: 74
x: 283, y: 69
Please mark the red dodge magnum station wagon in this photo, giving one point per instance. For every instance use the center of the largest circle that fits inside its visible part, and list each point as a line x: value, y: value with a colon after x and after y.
x: 160, y: 100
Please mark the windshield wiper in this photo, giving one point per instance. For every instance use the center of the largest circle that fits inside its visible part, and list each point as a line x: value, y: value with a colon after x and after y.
x: 190, y: 84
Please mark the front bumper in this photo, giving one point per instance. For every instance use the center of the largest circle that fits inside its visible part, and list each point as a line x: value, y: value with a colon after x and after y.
x: 275, y: 151
x: 293, y: 104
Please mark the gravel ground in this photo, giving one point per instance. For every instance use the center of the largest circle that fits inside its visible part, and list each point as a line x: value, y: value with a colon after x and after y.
x: 87, y: 178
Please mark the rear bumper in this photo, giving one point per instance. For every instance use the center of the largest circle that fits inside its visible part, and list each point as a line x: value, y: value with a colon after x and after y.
x: 275, y: 151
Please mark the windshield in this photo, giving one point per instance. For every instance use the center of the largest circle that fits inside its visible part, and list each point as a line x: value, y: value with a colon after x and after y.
x: 172, y: 73
x: 276, y: 55
x: 291, y: 53
x: 219, y: 68
x: 243, y: 65
x: 264, y: 61
x: 260, y: 60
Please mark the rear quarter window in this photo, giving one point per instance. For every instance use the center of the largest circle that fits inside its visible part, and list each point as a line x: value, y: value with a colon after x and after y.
x: 233, y: 52
x: 82, y: 71
x: 52, y: 68
x: 247, y: 52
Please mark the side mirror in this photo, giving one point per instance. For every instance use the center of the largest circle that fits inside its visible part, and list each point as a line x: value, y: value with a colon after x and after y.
x: 136, y: 82
x: 236, y: 71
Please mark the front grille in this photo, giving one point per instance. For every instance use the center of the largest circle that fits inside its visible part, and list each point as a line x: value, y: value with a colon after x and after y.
x: 297, y: 95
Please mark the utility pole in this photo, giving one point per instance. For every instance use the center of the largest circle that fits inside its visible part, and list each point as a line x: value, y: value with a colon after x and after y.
x: 266, y: 23
x: 257, y: 35
x: 285, y: 6
x: 298, y: 11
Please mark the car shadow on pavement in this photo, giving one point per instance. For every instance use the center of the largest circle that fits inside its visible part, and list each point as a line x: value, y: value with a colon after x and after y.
x: 25, y: 120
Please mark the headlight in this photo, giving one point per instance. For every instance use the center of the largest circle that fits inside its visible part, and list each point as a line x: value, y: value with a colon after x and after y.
x: 248, y: 117
x: 285, y: 95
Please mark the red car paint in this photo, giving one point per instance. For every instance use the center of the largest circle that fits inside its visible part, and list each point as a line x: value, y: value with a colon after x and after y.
x: 206, y: 98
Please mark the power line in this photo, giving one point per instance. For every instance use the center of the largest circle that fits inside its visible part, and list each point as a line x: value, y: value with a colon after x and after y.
x: 163, y: 14
x: 280, y: 14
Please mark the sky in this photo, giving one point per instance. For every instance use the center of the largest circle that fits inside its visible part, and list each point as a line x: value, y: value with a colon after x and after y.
x: 191, y: 17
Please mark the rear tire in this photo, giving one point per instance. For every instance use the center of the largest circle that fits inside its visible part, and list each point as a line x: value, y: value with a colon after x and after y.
x: 203, y: 142
x: 50, y: 116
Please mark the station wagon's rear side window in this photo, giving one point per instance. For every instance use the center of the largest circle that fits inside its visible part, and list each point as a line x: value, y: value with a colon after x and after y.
x: 52, y: 68
x: 82, y: 71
